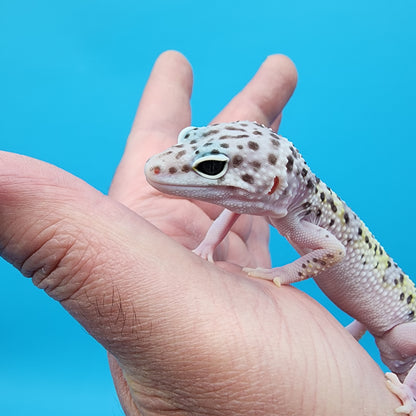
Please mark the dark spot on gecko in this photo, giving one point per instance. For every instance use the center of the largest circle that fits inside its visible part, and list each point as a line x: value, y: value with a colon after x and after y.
x: 401, y: 277
x: 309, y: 184
x: 207, y: 144
x: 396, y: 282
x: 409, y: 299
x: 224, y: 145
x: 233, y: 128
x: 360, y: 231
x: 187, y: 135
x: 275, y: 143
x: 318, y: 212
x: 186, y: 168
x: 256, y: 132
x: 253, y: 145
x: 381, y: 251
x: 401, y: 296
x: 240, y: 146
x: 333, y: 206
x: 225, y: 137
x: 318, y: 181
x: 300, y: 274
x: 366, y: 239
x: 256, y: 165
x: 210, y: 133
x: 241, y: 136
x: 304, y: 172
x: 172, y: 170
x: 388, y: 264
x: 237, y: 160
x: 294, y: 152
x: 346, y: 218
x: 332, y: 222
x: 322, y: 197
x: 247, y: 178
x: 215, y: 151
x: 289, y: 164
x: 272, y: 159
x: 376, y: 266
x: 411, y: 314
x: 303, y: 265
x: 192, y: 141
x: 197, y: 152
x: 306, y: 204
x: 274, y: 135
x: 180, y: 154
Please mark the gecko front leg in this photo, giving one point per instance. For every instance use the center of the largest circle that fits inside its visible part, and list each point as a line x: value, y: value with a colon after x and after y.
x: 216, y: 233
x: 323, y: 251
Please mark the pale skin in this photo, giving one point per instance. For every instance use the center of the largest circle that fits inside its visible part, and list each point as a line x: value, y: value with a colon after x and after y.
x: 185, y: 336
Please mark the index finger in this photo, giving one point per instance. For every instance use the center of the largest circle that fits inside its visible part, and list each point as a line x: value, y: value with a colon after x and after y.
x: 264, y: 97
x: 163, y: 111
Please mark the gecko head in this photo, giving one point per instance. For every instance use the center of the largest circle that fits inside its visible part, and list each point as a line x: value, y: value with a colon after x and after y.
x: 230, y: 164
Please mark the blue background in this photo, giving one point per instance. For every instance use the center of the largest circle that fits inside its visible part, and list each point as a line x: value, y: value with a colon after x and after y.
x: 71, y: 75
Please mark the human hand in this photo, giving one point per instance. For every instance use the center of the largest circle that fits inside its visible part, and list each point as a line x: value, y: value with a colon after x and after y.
x: 184, y: 336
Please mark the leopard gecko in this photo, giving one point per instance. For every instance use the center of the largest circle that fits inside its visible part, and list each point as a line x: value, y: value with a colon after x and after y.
x: 249, y: 169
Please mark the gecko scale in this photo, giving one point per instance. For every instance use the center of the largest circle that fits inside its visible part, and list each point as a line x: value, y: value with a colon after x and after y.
x: 249, y: 169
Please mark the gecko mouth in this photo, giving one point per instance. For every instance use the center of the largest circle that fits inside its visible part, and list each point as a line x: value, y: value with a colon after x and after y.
x: 188, y: 190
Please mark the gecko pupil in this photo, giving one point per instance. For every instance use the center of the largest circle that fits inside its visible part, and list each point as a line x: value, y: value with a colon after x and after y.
x: 211, y: 167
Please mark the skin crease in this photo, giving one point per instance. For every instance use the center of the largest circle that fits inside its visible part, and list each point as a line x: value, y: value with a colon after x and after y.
x: 184, y: 336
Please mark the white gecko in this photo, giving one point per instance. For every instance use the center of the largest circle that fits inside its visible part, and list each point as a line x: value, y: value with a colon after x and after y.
x: 248, y: 169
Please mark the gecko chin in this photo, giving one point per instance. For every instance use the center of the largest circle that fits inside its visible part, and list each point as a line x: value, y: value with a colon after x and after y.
x: 233, y: 198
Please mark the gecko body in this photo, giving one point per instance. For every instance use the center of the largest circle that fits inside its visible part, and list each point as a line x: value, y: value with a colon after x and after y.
x: 249, y: 169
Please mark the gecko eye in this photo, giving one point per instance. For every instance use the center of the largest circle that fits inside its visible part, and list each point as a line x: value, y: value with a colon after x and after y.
x: 212, y: 166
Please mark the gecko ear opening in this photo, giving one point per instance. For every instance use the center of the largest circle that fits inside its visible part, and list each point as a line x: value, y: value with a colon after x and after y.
x: 212, y: 166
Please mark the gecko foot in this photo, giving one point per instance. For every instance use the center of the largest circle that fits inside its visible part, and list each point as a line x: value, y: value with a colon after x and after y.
x: 404, y: 394
x: 205, y: 251
x: 267, y: 274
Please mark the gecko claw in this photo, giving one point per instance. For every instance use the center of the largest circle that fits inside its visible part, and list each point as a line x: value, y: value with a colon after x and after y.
x: 276, y: 281
x: 204, y: 253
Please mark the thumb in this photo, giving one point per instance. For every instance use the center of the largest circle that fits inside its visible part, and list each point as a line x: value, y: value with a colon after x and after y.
x: 80, y: 247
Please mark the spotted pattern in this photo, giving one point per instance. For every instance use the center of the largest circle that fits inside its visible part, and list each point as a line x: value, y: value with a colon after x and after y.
x: 266, y: 174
